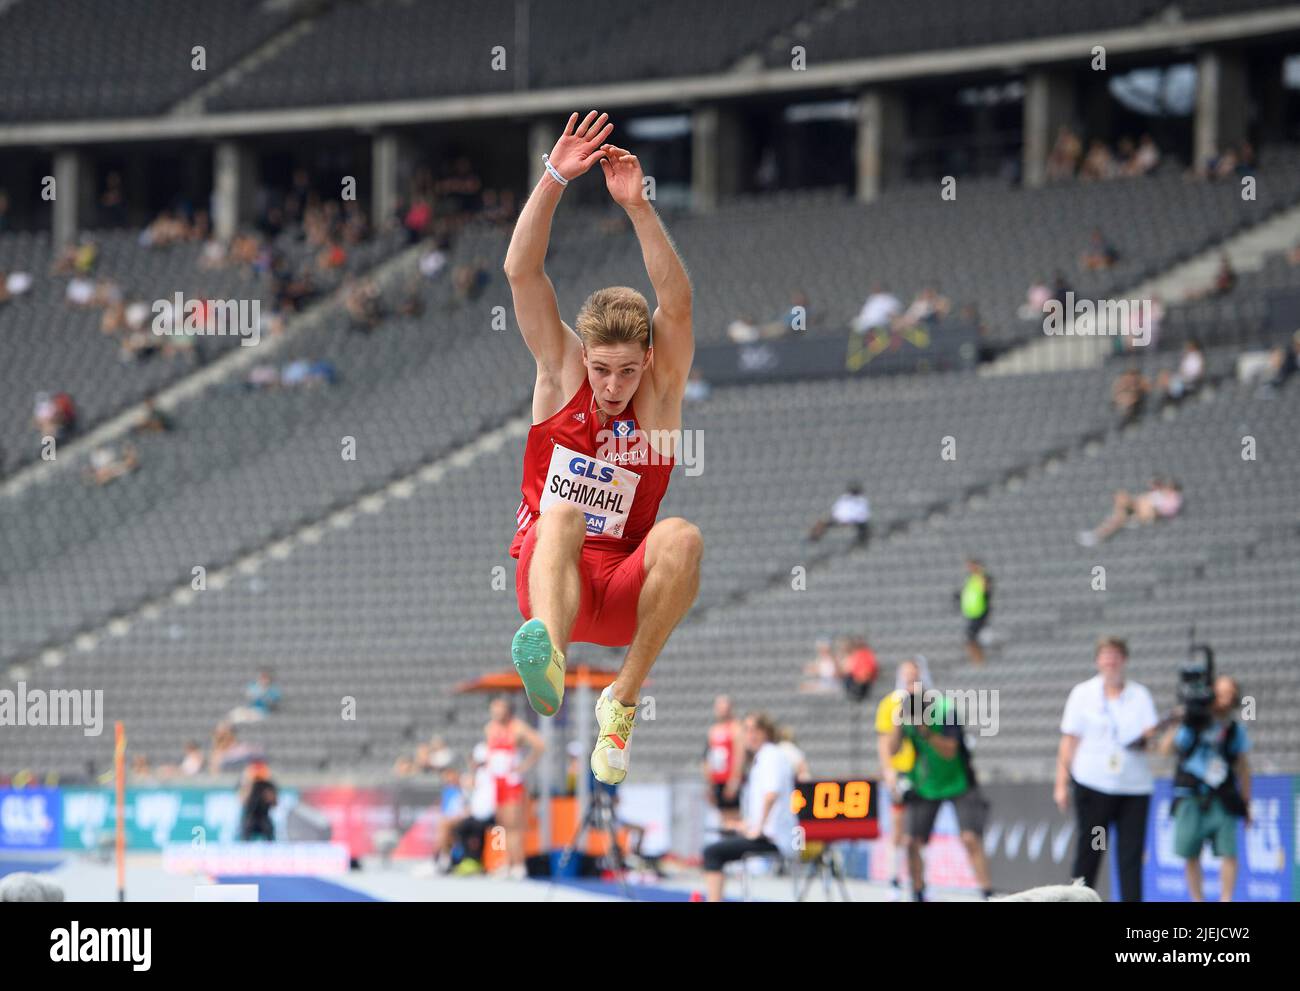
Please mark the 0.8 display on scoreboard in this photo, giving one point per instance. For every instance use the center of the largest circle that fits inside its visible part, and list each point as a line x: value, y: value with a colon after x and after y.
x: 830, y: 810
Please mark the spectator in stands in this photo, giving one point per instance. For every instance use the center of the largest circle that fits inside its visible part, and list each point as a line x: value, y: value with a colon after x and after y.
x: 142, y: 772
x: 262, y: 697
x: 80, y: 292
x: 363, y: 304
x: 1061, y: 288
x: 879, y: 310
x: 1283, y: 362
x: 1098, y: 163
x: 418, y: 220
x: 1162, y: 500
x: 191, y: 763
x: 106, y: 465
x: 432, y: 262
x: 724, y: 762
x: 975, y: 600
x: 942, y: 772
x: 1128, y: 394
x: 927, y: 309
x: 1175, y: 387
x: 1211, y: 786
x: 78, y: 258
x: 152, y: 420
x: 14, y: 284
x: 168, y: 228
x: 743, y: 329
x: 1225, y: 278
x: 1141, y: 328
x: 769, y: 823
x: 794, y: 319
x: 858, y: 668
x: 851, y: 509
x: 823, y: 672
x: 1107, y: 724
x: 408, y: 766
x: 331, y: 257
x: 4, y: 210
x: 1100, y: 253
x: 55, y: 415
x: 114, y: 319
x: 1064, y: 156
x: 1036, y: 297
x: 305, y: 373
x: 1147, y: 157
x: 138, y: 344
x: 227, y: 753
x: 112, y: 202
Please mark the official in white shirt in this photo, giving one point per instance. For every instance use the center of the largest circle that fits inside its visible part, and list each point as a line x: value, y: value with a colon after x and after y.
x: 769, y: 821
x: 1107, y: 724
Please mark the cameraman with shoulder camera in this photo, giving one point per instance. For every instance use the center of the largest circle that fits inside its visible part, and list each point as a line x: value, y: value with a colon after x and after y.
x: 1212, y: 782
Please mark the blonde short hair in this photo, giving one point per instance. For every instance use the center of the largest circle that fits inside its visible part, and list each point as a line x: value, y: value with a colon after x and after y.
x: 615, y: 315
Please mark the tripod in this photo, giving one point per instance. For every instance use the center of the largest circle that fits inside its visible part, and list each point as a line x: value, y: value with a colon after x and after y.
x: 598, y: 815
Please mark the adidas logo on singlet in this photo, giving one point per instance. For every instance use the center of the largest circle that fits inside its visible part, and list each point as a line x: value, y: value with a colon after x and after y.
x: 580, y: 417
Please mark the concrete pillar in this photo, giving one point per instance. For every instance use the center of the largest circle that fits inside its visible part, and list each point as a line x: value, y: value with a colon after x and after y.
x: 1221, y: 102
x: 234, y: 187
x: 717, y: 153
x: 73, y: 195
x: 389, y: 168
x: 1049, y: 104
x: 882, y: 134
x: 542, y: 135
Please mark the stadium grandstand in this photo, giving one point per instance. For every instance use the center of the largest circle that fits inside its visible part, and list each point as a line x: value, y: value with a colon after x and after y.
x: 236, y: 536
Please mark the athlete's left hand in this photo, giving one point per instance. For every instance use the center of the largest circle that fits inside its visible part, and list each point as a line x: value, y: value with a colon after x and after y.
x: 623, y: 176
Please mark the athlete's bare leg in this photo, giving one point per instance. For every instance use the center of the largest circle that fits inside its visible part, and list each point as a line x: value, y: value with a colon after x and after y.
x: 554, y: 587
x: 672, y: 562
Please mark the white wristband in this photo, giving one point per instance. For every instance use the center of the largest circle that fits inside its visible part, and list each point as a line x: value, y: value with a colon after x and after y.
x: 546, y: 160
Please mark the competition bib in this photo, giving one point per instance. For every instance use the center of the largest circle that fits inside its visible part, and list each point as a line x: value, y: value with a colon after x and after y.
x: 719, y: 758
x: 604, y: 492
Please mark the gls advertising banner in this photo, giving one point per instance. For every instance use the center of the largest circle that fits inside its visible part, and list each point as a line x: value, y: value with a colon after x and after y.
x: 29, y: 818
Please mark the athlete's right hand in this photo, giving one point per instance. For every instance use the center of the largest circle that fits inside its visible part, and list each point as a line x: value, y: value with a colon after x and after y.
x: 1062, y: 795
x: 579, y: 146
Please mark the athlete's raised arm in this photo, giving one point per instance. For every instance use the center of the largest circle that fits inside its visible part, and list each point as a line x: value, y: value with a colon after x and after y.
x: 536, y: 308
x: 674, y: 340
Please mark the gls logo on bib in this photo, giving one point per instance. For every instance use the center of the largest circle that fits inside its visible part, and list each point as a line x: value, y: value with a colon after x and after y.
x: 604, y: 492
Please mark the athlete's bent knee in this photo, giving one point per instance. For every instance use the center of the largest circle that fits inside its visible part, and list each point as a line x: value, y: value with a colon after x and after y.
x: 680, y: 542
x: 564, y: 517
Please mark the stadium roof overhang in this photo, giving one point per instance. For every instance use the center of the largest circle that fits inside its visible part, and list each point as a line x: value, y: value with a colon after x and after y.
x: 1013, y: 56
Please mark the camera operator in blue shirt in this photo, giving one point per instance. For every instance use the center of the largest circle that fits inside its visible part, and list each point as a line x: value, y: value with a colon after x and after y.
x: 1211, y: 784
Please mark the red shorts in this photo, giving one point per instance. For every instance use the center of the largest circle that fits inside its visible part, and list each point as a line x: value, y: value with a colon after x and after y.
x: 508, y: 793
x: 611, y: 588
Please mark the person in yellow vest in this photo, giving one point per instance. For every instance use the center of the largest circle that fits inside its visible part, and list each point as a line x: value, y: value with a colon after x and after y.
x: 896, y: 768
x: 976, y: 602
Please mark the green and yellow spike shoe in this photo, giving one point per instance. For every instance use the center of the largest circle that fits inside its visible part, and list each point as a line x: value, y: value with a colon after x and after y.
x: 540, y: 666
x: 614, y: 719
